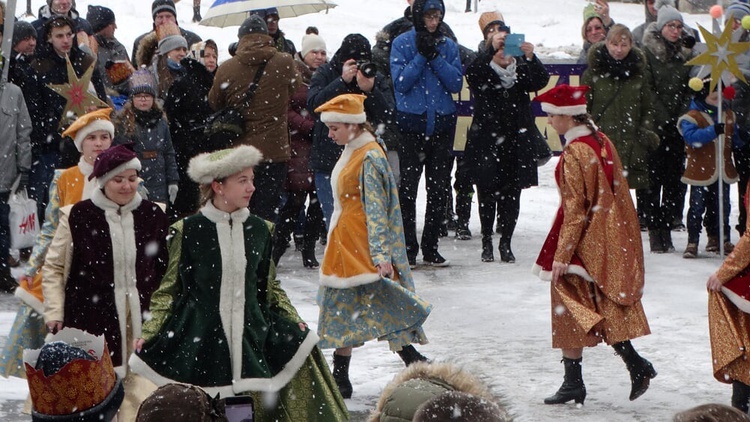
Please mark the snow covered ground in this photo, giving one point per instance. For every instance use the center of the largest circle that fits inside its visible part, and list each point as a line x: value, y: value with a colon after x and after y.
x: 492, y: 318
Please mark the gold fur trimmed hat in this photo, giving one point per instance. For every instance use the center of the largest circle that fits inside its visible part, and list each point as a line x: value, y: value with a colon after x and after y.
x: 205, y: 168
x: 89, y: 123
x: 346, y: 108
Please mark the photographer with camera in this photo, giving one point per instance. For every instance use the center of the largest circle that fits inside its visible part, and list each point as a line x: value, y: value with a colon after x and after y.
x: 667, y: 47
x: 350, y: 71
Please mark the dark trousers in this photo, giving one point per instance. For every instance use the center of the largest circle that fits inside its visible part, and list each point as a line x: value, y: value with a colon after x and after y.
x: 289, y: 213
x: 269, y: 181
x: 43, y: 165
x: 434, y: 155
x: 507, y: 201
x: 464, y: 192
x: 4, y: 230
x: 665, y: 197
x: 705, y: 200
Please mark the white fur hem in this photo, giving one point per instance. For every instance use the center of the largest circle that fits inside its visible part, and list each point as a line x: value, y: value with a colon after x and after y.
x: 740, y: 302
x: 578, y: 270
x: 575, y: 110
x: 269, y: 385
x: 336, y: 117
x: 133, y: 163
x: 30, y: 300
x: 337, y: 282
x: 207, y: 167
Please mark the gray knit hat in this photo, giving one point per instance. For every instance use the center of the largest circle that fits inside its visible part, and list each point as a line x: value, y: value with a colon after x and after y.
x: 163, y: 6
x: 667, y: 14
x: 254, y: 24
x: 142, y: 81
x: 737, y: 9
x: 172, y: 42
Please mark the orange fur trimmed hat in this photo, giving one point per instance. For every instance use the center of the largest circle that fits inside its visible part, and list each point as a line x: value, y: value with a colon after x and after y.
x: 89, y: 123
x: 346, y: 108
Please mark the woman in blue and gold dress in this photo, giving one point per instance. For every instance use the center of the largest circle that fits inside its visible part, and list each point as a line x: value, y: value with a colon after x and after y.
x: 367, y: 291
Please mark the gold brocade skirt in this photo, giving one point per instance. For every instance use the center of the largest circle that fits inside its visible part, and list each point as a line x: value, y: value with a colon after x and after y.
x: 729, y: 329
x: 582, y: 316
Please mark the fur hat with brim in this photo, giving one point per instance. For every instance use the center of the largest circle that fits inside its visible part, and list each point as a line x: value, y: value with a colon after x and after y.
x: 205, y: 168
x: 489, y: 18
x: 564, y: 100
x: 167, y: 403
x: 112, y: 162
x: 346, y: 108
x: 88, y: 124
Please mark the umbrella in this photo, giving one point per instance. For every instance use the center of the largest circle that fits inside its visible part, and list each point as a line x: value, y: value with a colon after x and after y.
x: 225, y: 13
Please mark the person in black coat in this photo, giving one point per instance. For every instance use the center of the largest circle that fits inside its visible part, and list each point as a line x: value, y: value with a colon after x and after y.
x: 187, y: 109
x: 342, y: 76
x: 46, y: 109
x: 500, y: 148
x: 59, y: 8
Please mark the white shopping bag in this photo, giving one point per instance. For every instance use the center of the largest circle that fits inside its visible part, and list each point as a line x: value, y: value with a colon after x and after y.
x: 24, y: 226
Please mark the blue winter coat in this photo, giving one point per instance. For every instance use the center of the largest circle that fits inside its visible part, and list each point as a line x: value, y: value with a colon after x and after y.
x: 423, y: 89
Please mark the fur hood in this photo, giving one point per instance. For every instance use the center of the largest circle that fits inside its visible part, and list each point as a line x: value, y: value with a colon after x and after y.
x: 383, y: 37
x: 146, y: 49
x: 446, y: 374
x: 601, y: 63
x: 654, y: 42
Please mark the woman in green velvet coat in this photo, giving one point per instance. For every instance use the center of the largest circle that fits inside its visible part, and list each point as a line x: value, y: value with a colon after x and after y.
x: 220, y: 319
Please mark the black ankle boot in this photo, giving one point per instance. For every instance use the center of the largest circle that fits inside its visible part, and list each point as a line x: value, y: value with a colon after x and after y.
x: 506, y: 255
x: 740, y: 396
x: 666, y: 240
x: 308, y: 255
x: 197, y: 14
x: 487, y: 254
x: 410, y: 355
x: 278, y: 251
x: 341, y: 375
x: 641, y: 370
x: 572, y: 387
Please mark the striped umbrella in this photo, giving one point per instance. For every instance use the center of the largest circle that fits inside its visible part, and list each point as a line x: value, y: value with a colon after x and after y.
x: 225, y: 13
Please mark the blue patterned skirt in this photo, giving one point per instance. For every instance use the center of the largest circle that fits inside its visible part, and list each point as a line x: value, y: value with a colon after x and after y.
x: 28, y: 332
x: 383, y: 310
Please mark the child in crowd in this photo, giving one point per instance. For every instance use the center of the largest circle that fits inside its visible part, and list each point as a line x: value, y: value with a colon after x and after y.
x: 142, y: 122
x: 700, y: 128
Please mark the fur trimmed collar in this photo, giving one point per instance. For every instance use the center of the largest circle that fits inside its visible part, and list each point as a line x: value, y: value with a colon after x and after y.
x: 101, y: 201
x: 576, y: 132
x: 221, y: 217
x: 654, y: 42
x: 363, y: 139
x: 602, y: 64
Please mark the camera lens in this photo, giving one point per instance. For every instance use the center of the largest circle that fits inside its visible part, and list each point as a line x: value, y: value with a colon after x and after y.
x: 367, y: 68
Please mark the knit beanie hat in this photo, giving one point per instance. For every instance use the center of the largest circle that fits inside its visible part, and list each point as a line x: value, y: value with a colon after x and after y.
x: 99, y: 17
x: 667, y: 14
x: 737, y: 9
x: 112, y: 162
x: 162, y: 6
x: 254, y: 24
x: 210, y: 166
x: 346, y: 108
x: 354, y: 46
x: 142, y: 82
x: 170, y: 38
x: 168, y: 403
x: 489, y: 18
x: 21, y: 31
x: 89, y: 123
x: 564, y: 99
x: 312, y: 42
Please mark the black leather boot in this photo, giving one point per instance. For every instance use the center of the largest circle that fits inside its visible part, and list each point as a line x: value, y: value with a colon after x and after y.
x: 197, y: 14
x: 654, y: 240
x: 341, y: 375
x: 487, y: 254
x: 666, y: 240
x: 740, y: 396
x: 572, y: 387
x: 641, y: 370
x: 278, y: 251
x: 410, y: 355
x: 308, y: 254
x: 506, y: 255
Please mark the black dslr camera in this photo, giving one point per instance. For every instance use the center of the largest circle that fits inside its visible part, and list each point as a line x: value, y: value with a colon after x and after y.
x: 369, y: 69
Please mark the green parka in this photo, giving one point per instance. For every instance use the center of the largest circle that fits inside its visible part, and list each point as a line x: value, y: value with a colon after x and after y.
x: 620, y: 101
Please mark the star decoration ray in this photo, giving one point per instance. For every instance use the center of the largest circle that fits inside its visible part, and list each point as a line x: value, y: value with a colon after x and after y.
x: 76, y: 92
x: 721, y: 54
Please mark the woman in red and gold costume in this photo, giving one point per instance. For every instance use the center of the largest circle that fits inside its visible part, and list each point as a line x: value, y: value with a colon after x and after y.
x: 729, y: 322
x: 593, y: 254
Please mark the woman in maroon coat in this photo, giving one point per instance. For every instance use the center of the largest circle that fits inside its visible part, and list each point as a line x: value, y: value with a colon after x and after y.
x: 107, y: 258
x: 299, y: 182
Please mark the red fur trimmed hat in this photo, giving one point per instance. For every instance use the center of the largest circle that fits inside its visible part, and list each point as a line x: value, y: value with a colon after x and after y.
x: 564, y: 99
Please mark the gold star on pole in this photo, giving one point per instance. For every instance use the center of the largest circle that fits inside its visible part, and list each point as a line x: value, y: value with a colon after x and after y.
x: 76, y: 92
x: 721, y: 55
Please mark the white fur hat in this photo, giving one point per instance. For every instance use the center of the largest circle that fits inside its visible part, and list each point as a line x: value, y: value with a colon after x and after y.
x: 207, y: 167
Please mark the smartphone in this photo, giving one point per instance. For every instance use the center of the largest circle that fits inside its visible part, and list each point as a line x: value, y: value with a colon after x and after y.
x: 513, y: 44
x: 239, y: 409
